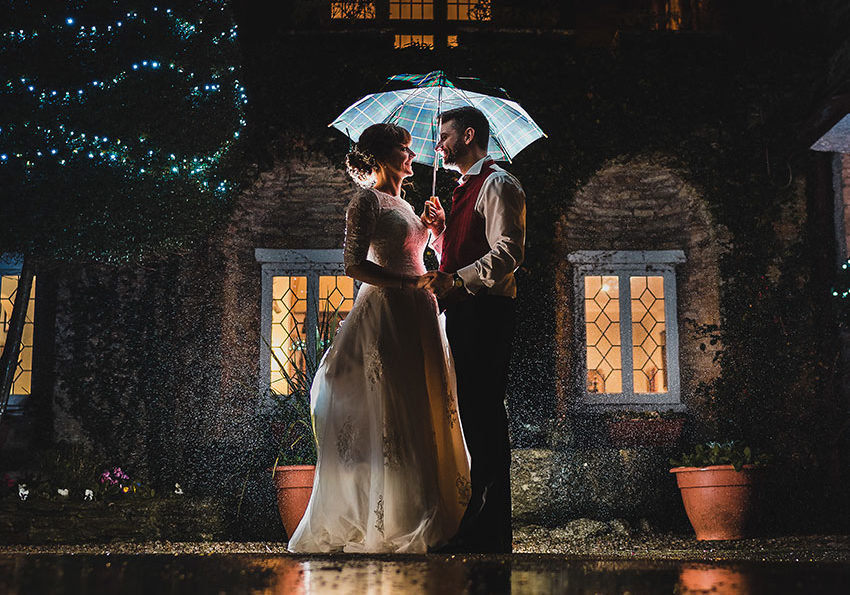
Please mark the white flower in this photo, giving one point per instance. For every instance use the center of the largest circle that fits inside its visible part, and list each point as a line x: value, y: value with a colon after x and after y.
x: 23, y: 492
x: 177, y: 489
x: 89, y: 495
x: 62, y: 492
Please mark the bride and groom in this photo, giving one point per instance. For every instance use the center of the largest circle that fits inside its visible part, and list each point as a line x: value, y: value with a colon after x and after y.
x: 409, y: 416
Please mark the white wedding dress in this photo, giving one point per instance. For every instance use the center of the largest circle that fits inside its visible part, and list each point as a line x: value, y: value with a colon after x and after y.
x: 393, y: 470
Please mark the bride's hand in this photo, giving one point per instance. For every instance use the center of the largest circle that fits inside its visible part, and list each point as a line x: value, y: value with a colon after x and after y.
x: 424, y: 281
x: 433, y: 216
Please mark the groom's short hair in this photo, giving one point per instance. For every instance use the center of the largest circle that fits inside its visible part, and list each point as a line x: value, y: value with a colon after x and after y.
x: 469, y: 117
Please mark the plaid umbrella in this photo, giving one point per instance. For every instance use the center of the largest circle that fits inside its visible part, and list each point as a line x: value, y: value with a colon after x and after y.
x: 416, y: 109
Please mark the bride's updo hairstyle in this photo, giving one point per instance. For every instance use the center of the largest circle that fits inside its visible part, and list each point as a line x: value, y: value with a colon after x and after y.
x: 376, y: 144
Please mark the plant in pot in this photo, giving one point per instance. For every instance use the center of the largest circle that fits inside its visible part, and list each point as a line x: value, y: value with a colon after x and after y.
x: 718, y: 482
x: 294, y: 467
x: 628, y: 427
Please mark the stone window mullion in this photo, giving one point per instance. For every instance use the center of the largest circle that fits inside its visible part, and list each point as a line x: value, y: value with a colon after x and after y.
x: 626, y: 333
x: 312, y: 322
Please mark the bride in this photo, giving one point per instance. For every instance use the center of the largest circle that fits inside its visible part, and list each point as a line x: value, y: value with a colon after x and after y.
x: 393, y: 470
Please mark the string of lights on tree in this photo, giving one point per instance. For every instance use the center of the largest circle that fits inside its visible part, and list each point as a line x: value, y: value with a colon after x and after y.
x: 150, y: 97
x: 842, y: 289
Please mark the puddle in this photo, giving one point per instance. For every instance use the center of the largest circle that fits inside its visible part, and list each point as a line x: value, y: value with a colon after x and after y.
x: 518, y: 574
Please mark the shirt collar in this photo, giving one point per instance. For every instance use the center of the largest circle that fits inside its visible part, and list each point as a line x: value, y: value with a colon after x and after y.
x: 474, y: 170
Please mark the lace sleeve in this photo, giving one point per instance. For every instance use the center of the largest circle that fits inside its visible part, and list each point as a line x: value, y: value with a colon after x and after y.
x: 360, y: 220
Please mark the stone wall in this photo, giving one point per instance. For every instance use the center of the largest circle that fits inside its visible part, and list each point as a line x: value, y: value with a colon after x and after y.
x: 297, y: 205
x: 156, y: 363
x: 551, y: 487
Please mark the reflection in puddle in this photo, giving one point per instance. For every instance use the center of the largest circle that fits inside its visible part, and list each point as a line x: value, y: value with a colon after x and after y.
x: 518, y: 574
x: 702, y: 578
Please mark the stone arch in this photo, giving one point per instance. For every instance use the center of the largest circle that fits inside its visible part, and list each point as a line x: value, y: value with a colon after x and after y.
x: 298, y: 204
x: 643, y: 203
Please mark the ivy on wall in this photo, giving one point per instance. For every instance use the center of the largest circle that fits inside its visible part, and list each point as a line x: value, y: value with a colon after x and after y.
x: 721, y: 112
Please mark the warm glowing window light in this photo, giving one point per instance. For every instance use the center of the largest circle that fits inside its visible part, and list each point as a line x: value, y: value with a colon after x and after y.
x: 603, y: 340
x: 451, y: 41
x: 602, y: 330
x: 22, y: 383
x: 468, y: 10
x: 649, y: 336
x: 352, y: 10
x: 289, y: 321
x: 670, y: 15
x: 412, y: 9
x: 420, y: 41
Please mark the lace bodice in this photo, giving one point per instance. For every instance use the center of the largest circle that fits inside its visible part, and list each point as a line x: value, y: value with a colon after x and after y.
x: 385, y: 230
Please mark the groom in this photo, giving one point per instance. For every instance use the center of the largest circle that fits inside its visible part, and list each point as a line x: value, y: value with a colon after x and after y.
x: 480, y: 246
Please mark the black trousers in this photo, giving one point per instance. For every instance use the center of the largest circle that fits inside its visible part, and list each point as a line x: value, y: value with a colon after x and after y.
x: 480, y: 332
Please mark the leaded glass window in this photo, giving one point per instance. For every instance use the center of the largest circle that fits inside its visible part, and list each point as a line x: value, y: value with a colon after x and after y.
x: 22, y: 381
x: 306, y: 297
x: 628, y: 331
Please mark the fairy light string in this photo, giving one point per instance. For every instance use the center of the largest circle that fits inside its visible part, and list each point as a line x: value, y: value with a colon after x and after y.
x: 168, y: 103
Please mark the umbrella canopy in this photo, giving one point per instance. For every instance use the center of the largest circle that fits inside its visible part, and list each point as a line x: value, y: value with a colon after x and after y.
x: 416, y: 109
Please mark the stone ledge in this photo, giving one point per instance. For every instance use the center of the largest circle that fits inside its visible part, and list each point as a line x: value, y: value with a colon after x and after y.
x: 47, y: 522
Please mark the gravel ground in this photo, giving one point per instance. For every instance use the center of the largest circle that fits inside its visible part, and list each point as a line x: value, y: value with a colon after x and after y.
x: 580, y: 539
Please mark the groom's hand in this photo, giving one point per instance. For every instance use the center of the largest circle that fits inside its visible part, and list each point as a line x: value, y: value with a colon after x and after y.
x: 440, y: 283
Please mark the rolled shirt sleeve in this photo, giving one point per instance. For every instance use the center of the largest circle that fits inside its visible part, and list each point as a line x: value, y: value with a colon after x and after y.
x: 502, y: 204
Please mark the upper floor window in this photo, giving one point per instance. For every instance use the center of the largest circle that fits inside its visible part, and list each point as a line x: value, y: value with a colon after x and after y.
x: 468, y: 10
x: 627, y: 326
x: 10, y: 269
x: 353, y: 9
x: 425, y: 42
x: 305, y: 297
x: 422, y: 10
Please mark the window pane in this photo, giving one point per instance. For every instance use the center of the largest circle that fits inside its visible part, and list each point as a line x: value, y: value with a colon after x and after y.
x: 468, y: 10
x: 412, y: 9
x: 289, y: 322
x: 602, y: 330
x: 451, y: 41
x: 426, y: 42
x: 22, y: 383
x: 649, y: 336
x: 353, y: 10
x: 288, y: 340
x: 336, y: 297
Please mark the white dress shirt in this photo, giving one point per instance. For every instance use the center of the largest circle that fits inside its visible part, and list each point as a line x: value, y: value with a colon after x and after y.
x: 501, y: 202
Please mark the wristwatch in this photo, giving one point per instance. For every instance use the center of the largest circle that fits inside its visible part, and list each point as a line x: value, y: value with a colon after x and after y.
x: 457, y: 281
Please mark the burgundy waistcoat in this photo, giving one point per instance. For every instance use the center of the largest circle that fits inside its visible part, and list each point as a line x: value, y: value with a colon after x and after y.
x: 465, y: 240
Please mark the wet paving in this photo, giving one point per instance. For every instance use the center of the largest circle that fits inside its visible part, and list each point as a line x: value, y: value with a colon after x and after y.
x: 444, y: 575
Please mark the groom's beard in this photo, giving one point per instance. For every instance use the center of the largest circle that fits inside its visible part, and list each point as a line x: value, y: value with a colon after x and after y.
x: 451, y: 156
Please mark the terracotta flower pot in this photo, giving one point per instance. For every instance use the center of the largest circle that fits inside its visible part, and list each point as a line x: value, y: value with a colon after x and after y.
x: 719, y: 501
x: 644, y: 432
x: 294, y: 484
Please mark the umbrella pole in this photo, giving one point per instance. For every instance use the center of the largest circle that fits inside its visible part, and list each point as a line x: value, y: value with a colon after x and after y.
x: 439, y: 112
x: 434, y: 176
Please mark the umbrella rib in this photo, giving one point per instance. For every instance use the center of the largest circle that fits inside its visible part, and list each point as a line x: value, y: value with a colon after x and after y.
x: 495, y: 138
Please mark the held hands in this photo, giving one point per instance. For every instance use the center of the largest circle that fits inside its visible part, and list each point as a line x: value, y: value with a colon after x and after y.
x: 436, y: 282
x: 433, y: 216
